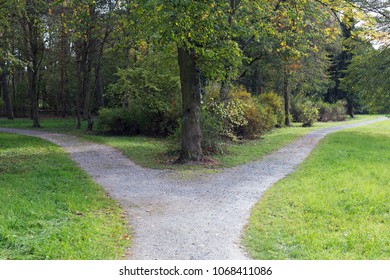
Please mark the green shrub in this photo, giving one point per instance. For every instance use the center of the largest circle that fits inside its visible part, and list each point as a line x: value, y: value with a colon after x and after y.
x: 309, y: 113
x: 118, y: 121
x: 258, y: 117
x: 152, y: 99
x: 331, y: 112
x: 230, y: 114
x: 275, y: 102
x: 242, y: 116
x: 212, y: 128
x: 324, y: 111
x: 339, y: 111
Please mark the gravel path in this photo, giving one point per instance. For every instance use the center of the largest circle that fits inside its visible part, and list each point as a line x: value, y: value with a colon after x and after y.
x: 175, y: 218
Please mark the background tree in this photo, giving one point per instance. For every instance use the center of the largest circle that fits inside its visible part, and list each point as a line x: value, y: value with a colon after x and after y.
x: 5, y: 58
x: 32, y: 15
x: 368, y: 78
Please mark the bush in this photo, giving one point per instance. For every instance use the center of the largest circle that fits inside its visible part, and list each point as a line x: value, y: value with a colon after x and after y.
x: 324, y: 111
x: 230, y: 114
x: 118, y: 121
x: 275, y: 102
x: 260, y: 119
x: 331, y: 112
x: 212, y: 128
x: 152, y: 100
x: 241, y: 116
x: 309, y: 113
x: 244, y: 116
x: 339, y: 111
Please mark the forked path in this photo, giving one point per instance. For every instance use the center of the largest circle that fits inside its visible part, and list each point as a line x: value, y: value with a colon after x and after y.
x: 173, y: 218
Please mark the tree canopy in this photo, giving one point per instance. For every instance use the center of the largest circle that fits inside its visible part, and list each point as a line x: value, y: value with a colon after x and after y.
x: 163, y: 60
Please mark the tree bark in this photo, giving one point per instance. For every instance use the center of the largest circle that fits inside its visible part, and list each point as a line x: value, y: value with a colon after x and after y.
x: 286, y: 95
x: 63, y: 55
x: 33, y: 51
x: 33, y: 90
x: 99, y: 91
x: 6, y: 95
x: 350, y: 110
x: 191, y: 149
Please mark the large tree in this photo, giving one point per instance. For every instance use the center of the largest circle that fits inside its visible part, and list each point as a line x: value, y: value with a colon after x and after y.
x: 200, y: 31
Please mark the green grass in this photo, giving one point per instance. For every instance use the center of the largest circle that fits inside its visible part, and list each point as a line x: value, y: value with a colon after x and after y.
x: 153, y: 152
x: 241, y: 153
x: 50, y: 209
x: 335, y: 206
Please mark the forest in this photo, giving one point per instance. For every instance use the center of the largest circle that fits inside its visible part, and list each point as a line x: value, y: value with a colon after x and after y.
x: 200, y: 72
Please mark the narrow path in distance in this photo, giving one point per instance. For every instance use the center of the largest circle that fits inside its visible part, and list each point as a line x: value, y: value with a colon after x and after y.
x: 175, y: 218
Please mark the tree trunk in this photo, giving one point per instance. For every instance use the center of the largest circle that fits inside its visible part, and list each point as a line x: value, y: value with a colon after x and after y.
x: 191, y: 149
x: 286, y: 95
x: 85, y: 93
x: 62, y: 91
x: 78, y: 103
x: 33, y: 50
x: 14, y: 94
x: 6, y: 95
x: 99, y: 91
x: 350, y: 111
x: 33, y: 90
x: 63, y: 55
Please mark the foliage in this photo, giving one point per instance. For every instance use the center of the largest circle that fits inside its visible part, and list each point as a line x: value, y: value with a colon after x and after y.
x: 212, y: 132
x: 259, y: 117
x: 150, y: 93
x: 230, y: 114
x: 368, y: 77
x: 331, y: 112
x: 203, y: 28
x: 244, y: 116
x: 309, y: 113
x: 118, y: 121
x: 304, y: 110
x: 275, y: 102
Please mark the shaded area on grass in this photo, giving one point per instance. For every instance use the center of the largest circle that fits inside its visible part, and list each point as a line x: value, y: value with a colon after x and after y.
x: 335, y: 206
x: 50, y: 209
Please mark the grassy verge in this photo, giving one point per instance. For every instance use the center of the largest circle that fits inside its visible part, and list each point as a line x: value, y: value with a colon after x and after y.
x: 335, y: 206
x: 152, y: 152
x: 50, y: 209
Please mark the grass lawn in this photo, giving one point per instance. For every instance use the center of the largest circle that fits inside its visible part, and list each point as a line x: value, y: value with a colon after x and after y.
x: 50, y: 209
x: 152, y: 152
x: 335, y: 206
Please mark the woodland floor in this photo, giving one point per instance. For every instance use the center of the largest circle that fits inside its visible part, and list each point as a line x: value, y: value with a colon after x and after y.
x: 201, y: 217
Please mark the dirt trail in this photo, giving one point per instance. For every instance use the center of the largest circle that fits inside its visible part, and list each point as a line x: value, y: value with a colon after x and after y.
x: 174, y: 218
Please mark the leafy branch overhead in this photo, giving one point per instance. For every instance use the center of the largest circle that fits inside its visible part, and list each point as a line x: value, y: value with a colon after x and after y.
x: 160, y: 61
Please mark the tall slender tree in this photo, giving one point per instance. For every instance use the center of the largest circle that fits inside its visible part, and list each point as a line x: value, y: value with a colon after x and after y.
x: 31, y: 17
